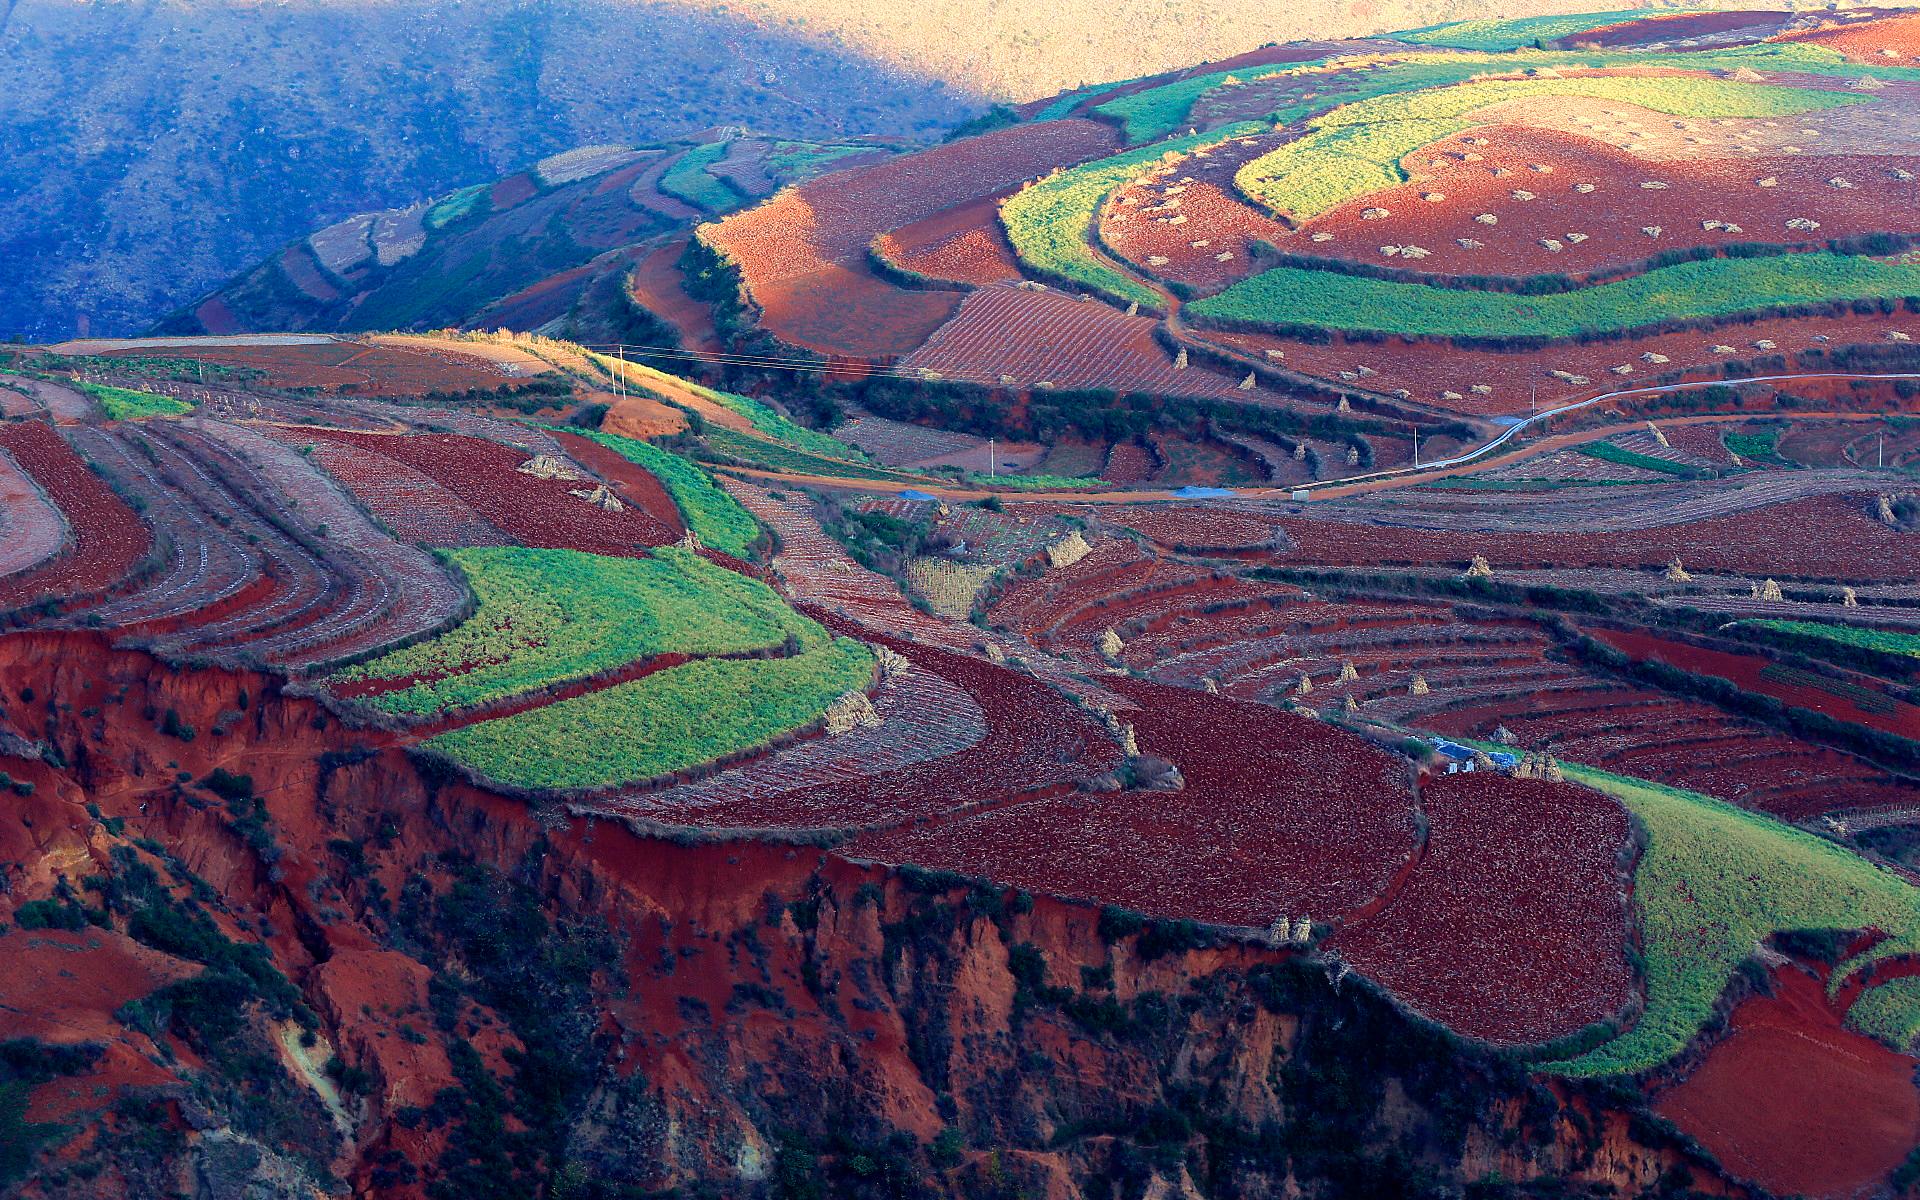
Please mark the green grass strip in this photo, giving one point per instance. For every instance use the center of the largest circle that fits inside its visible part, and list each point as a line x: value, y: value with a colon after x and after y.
x: 125, y: 404
x: 1716, y: 880
x: 715, y: 517
x: 1356, y: 148
x: 1608, y: 452
x: 1494, y: 34
x: 1037, y: 483
x: 546, y: 618
x: 689, y: 180
x: 1050, y: 223
x: 1719, y: 287
x: 670, y: 721
x: 1884, y: 640
x: 773, y: 456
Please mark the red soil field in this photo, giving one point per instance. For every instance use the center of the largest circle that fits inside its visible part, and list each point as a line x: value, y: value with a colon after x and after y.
x: 1823, y: 537
x: 1009, y: 763
x: 1867, y: 41
x: 1611, y: 218
x: 655, y: 284
x: 1197, y: 528
x: 1189, y: 214
x: 31, y: 530
x: 533, y: 512
x: 347, y: 367
x: 538, y: 303
x: 1039, y: 337
x: 409, y: 502
x: 1511, y: 926
x: 964, y: 244
x: 1429, y: 371
x: 1280, y: 816
x: 1895, y: 717
x: 297, y: 264
x: 1797, y: 1102
x: 1736, y: 25
x: 513, y: 190
x: 645, y: 193
x: 108, y: 539
x: 803, y: 254
x: 634, y: 484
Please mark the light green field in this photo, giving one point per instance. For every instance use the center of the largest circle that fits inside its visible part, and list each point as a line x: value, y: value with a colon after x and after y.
x: 126, y: 404
x: 1356, y: 148
x: 1715, y: 881
x: 1709, y: 288
x: 1884, y: 640
x: 689, y: 180
x: 1050, y: 223
x: 462, y: 203
x: 551, y: 617
x: 714, y: 517
x: 670, y: 721
x: 1890, y: 1012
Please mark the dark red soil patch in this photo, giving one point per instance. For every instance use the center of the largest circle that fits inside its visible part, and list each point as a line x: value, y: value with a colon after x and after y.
x: 513, y: 190
x: 1517, y: 380
x: 1823, y: 537
x: 658, y: 286
x: 106, y: 540
x: 1281, y: 815
x: 1612, y: 217
x: 348, y: 367
x: 634, y: 484
x: 1863, y: 41
x: 803, y: 254
x: 964, y: 244
x: 533, y: 512
x: 1797, y: 1102
x: 1880, y: 710
x: 1511, y: 926
x: 1757, y: 23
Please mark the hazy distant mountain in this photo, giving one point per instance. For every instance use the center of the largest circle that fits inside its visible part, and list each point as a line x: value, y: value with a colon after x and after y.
x: 150, y: 148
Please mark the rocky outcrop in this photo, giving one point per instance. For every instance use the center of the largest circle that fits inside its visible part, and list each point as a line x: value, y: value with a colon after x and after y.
x: 485, y: 996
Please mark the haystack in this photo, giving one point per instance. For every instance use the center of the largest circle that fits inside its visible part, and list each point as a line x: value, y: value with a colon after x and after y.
x: 1209, y: 687
x: 1246, y: 385
x: 1110, y: 645
x: 600, y: 497
x: 1180, y: 360
x: 546, y: 466
x: 690, y: 542
x: 1419, y: 686
x: 1480, y: 568
x: 892, y: 663
x: 1303, y: 931
x: 1771, y: 591
x: 1655, y: 429
x: 1348, y: 672
x: 1343, y: 406
x: 1849, y: 598
x: 851, y: 711
x: 1350, y: 704
x: 1303, y: 687
x: 1677, y: 573
x: 1068, y: 550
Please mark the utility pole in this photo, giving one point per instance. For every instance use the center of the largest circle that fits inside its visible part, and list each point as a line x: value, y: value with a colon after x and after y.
x: 993, y: 470
x: 1416, y: 445
x: 620, y: 381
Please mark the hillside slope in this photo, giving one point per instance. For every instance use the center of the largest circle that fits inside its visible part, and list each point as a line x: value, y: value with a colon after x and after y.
x: 150, y: 149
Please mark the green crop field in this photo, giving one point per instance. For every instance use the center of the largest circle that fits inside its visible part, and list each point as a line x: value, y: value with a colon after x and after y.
x: 715, y: 517
x: 669, y: 721
x: 1719, y: 287
x: 1890, y: 1012
x: 689, y: 180
x: 125, y: 404
x: 1884, y: 640
x: 552, y: 617
x: 1050, y: 223
x: 1714, y: 881
x: 1356, y: 148
x: 775, y: 456
x: 1608, y: 452
x: 463, y: 203
x: 1514, y: 33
